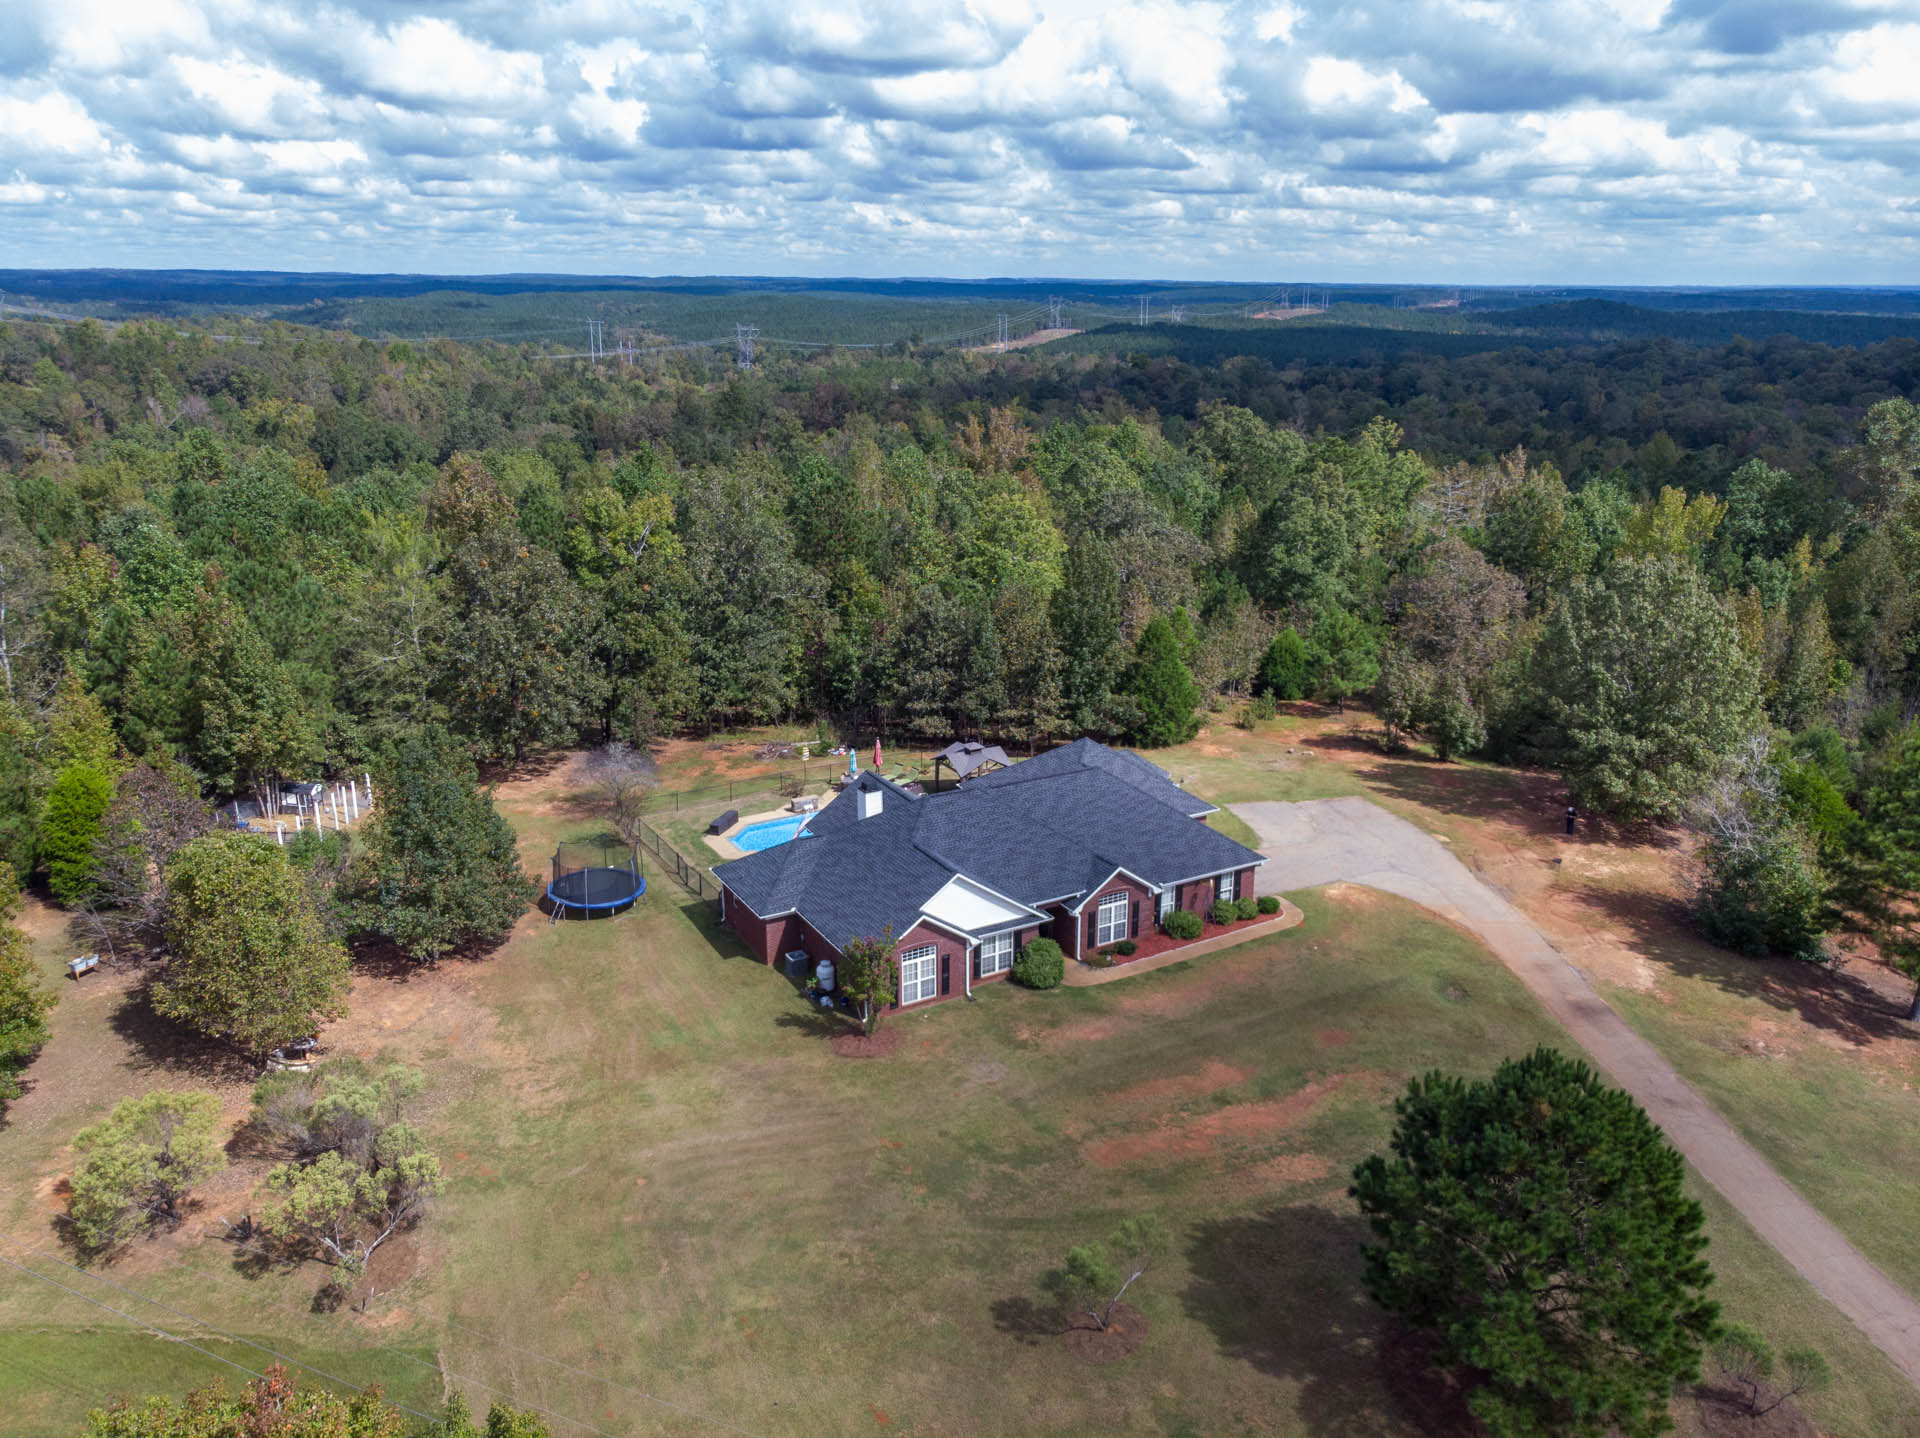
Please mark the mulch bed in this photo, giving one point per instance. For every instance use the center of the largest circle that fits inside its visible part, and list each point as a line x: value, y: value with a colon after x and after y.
x: 856, y: 1045
x: 1724, y: 1413
x: 1125, y: 1331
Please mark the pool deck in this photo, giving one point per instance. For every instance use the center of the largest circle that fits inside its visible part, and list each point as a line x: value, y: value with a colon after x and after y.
x: 723, y: 845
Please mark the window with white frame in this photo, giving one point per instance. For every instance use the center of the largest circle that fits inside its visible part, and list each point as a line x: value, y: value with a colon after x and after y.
x: 1223, y: 888
x: 1165, y: 905
x: 996, y: 954
x: 1113, y: 920
x: 919, y: 978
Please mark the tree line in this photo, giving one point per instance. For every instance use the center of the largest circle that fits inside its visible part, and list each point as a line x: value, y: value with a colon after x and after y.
x: 234, y: 564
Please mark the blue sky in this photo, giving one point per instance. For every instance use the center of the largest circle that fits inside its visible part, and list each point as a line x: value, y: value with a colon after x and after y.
x: 1471, y: 141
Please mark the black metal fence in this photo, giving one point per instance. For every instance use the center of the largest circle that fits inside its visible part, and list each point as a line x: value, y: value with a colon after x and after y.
x: 689, y: 875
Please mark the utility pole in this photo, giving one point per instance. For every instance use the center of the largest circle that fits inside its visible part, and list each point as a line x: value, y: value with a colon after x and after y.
x: 1003, y: 334
x: 1053, y: 313
x: 1146, y: 308
x: 596, y: 347
x: 1179, y: 314
x: 743, y: 338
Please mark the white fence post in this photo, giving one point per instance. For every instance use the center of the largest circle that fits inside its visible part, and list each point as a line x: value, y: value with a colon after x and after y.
x: 280, y: 833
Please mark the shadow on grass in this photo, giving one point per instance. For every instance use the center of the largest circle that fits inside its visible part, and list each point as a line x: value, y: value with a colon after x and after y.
x: 1026, y: 1322
x: 1282, y: 1291
x: 158, y: 1045
x: 817, y: 1023
x: 1842, y: 1001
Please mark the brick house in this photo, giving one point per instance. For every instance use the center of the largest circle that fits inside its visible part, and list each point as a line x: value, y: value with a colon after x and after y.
x: 1086, y: 845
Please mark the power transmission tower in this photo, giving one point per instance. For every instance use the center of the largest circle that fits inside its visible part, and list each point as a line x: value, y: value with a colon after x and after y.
x: 1003, y: 334
x: 743, y: 338
x: 1053, y: 314
x: 596, y: 339
x: 1179, y: 314
x: 1146, y: 309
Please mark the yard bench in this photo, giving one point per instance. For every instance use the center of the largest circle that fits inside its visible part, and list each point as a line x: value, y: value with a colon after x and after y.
x: 725, y: 822
x: 85, y: 964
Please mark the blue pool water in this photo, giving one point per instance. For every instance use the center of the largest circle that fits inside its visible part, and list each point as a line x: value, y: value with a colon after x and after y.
x: 756, y: 837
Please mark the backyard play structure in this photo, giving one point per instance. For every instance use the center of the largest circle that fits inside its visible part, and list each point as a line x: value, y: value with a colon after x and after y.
x: 594, y: 879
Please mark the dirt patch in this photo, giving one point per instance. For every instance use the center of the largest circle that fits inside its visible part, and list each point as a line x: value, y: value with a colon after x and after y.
x: 1333, y: 1038
x: 1725, y: 1413
x: 1353, y: 896
x: 1211, y: 1078
x: 1196, y: 1137
x: 875, y: 1045
x: 1126, y: 1330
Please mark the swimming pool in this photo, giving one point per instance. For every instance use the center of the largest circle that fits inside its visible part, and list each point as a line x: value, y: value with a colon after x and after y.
x: 756, y: 837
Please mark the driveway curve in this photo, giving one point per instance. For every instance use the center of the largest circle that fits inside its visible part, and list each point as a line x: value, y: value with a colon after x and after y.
x: 1354, y: 841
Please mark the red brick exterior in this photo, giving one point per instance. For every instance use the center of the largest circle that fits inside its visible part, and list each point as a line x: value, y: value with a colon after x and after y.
x: 768, y: 939
x: 1140, y: 902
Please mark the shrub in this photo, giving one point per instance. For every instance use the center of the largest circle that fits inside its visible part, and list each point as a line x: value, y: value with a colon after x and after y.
x: 1183, y: 924
x: 1269, y: 904
x: 1221, y: 913
x: 1125, y: 947
x: 1100, y: 959
x: 1244, y: 909
x: 138, y: 1165
x: 1262, y: 707
x: 1764, y: 896
x: 1041, y: 965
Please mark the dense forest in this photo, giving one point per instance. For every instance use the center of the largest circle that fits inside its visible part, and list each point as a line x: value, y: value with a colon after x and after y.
x: 275, y: 550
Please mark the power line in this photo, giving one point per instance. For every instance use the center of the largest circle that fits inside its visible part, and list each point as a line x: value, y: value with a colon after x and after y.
x: 176, y: 1338
x: 179, y: 1313
x: 418, y: 1361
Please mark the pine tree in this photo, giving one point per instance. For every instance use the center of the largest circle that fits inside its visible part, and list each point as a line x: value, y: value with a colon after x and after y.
x: 1284, y: 667
x: 1537, y: 1224
x: 1163, y: 689
x: 444, y: 867
x: 23, y: 1002
x: 70, y: 828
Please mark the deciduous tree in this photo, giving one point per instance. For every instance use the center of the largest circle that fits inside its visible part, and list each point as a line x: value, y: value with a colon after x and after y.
x: 869, y: 974
x: 249, y: 959
x: 139, y: 1164
x: 1644, y: 687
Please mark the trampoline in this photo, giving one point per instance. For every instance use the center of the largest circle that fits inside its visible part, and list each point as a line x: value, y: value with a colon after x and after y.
x: 594, y: 880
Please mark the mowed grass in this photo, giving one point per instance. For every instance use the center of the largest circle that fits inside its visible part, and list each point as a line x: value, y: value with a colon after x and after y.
x: 1822, y: 1084
x: 671, y: 1210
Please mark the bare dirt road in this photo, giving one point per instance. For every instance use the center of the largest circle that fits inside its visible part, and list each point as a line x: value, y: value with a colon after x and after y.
x: 1353, y: 841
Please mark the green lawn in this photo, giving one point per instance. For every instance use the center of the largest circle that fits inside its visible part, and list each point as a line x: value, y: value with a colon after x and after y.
x: 1772, y: 1046
x: 664, y: 1190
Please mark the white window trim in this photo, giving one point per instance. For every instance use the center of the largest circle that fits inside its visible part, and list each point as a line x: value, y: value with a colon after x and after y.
x: 1223, y: 888
x: 996, y: 954
x: 1163, y: 908
x: 931, y: 983
x: 1112, y: 933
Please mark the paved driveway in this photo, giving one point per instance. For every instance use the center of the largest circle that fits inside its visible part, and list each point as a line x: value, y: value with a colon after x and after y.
x: 1358, y: 842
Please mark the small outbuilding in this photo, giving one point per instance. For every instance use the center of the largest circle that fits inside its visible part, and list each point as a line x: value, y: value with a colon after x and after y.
x: 967, y: 758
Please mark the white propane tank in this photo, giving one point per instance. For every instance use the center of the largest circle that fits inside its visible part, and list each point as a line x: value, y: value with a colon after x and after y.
x: 823, y: 976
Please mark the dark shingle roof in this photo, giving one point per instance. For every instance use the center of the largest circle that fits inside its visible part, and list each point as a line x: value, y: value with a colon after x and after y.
x: 1056, y: 834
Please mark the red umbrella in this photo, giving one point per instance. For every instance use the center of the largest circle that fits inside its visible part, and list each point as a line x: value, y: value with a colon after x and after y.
x: 876, y: 751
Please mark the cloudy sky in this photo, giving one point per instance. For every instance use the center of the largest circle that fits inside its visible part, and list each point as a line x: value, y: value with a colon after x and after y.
x: 1631, y: 141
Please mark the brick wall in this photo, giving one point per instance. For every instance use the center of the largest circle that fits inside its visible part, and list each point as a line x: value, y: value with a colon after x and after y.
x: 766, y: 939
x: 1140, y: 903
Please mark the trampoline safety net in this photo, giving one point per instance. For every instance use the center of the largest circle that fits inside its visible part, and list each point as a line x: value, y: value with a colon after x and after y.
x: 591, y: 879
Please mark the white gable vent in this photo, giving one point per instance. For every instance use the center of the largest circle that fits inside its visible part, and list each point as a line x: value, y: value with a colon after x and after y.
x: 870, y: 800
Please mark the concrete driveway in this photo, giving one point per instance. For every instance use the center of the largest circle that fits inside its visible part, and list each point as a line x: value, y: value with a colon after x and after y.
x: 1357, y: 842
